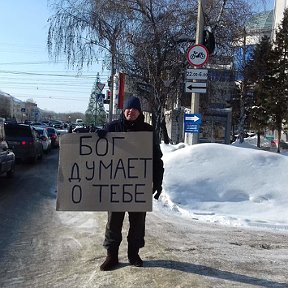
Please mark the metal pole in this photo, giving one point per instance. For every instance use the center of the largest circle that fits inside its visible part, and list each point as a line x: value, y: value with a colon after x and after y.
x: 113, y: 50
x: 96, y: 92
x: 192, y: 138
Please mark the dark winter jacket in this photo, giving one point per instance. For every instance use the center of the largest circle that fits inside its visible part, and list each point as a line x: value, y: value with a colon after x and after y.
x: 122, y: 125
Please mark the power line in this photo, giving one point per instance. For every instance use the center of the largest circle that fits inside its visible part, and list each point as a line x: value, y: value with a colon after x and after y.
x: 36, y: 62
x: 53, y: 97
x: 66, y: 83
x: 53, y: 75
x: 31, y: 63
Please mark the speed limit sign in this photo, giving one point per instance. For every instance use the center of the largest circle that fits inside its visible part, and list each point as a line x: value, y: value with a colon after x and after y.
x: 197, y: 55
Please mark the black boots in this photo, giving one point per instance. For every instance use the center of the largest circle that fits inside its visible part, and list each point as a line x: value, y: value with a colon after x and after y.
x: 110, y: 262
x: 134, y: 258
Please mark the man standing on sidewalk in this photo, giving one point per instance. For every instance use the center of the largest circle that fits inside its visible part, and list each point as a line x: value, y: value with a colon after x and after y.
x: 131, y: 119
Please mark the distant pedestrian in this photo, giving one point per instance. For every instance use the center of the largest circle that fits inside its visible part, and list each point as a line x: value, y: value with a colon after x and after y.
x: 131, y: 119
x: 70, y: 129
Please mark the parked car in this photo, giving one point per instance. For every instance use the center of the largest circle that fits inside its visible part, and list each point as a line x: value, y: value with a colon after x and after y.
x: 54, y: 136
x: 56, y: 124
x: 7, y: 157
x: 44, y: 137
x: 24, y: 142
x: 79, y: 122
x: 81, y: 129
x: 38, y: 124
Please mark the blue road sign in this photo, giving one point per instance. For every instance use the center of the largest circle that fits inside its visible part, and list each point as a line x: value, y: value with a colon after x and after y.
x: 193, y: 118
x: 192, y: 123
x: 100, y: 97
x: 191, y: 128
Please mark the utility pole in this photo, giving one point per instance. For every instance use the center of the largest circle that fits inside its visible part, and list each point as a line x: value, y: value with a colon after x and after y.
x: 192, y: 138
x: 96, y: 91
x: 111, y: 80
x: 243, y: 91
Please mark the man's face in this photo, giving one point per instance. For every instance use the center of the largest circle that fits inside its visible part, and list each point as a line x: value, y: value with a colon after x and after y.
x: 131, y: 114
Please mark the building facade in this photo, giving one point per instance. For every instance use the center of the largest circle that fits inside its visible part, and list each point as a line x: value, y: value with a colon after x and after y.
x: 279, y: 7
x: 13, y: 109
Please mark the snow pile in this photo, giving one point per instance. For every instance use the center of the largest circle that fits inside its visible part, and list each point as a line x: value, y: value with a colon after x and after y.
x: 226, y: 184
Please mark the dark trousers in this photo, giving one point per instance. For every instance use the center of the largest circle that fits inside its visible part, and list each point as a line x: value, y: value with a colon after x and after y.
x: 113, y: 233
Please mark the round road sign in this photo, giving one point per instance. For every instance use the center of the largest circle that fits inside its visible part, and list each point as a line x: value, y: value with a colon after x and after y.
x: 197, y: 55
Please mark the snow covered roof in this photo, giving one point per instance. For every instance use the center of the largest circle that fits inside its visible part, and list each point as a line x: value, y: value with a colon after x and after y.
x: 4, y: 94
x: 15, y: 100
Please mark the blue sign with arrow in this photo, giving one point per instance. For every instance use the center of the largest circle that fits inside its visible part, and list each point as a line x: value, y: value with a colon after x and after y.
x: 192, y: 123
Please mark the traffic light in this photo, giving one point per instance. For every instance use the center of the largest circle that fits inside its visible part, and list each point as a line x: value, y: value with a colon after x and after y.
x: 209, y: 40
x: 108, y: 95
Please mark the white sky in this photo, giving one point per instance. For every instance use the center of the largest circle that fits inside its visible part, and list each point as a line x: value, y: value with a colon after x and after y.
x: 226, y: 184
x: 23, y: 37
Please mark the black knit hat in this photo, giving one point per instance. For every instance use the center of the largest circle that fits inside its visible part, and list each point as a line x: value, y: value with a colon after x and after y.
x: 132, y: 102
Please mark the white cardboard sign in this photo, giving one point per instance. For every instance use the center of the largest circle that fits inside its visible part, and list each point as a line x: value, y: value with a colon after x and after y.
x: 105, y: 174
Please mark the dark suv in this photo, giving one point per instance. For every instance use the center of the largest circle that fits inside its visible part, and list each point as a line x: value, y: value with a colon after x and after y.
x: 7, y: 157
x: 24, y: 142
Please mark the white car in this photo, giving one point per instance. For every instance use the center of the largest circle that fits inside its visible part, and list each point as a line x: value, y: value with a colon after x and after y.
x: 79, y: 122
x: 44, y: 138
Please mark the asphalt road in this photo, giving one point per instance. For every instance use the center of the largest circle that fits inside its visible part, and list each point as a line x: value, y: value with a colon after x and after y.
x: 40, y: 247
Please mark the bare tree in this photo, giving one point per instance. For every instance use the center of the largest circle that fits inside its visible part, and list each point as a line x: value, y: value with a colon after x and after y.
x: 83, y: 29
x: 5, y: 107
x: 142, y: 38
x: 152, y: 56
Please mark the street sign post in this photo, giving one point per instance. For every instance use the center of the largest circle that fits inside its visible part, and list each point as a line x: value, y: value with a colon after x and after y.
x: 196, y: 74
x: 191, y: 128
x: 100, y: 97
x: 195, y: 87
x: 197, y: 55
x: 192, y: 138
x: 100, y: 86
x: 193, y: 118
x: 192, y: 123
